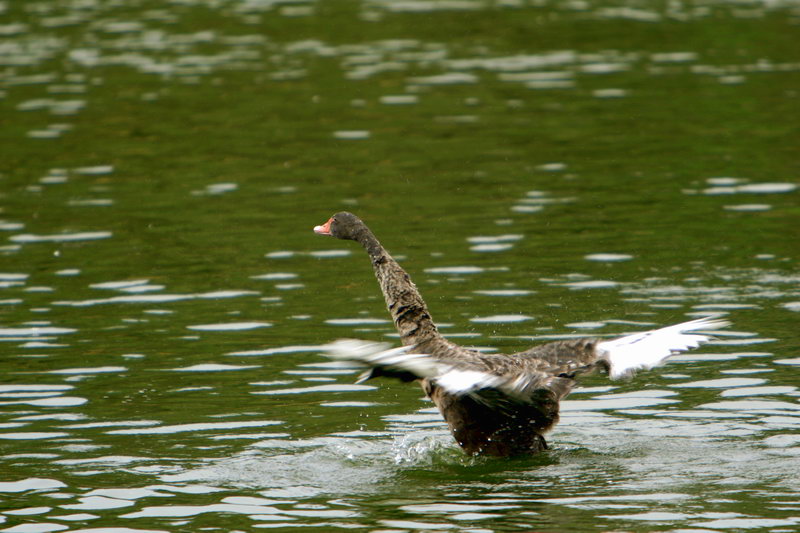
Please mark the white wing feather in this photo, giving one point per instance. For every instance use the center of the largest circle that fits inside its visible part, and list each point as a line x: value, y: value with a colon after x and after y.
x: 648, y: 349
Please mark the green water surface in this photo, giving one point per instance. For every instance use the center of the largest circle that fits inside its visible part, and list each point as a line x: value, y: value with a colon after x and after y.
x: 540, y: 168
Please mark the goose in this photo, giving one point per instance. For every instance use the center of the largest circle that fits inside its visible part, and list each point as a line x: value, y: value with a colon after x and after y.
x: 494, y: 404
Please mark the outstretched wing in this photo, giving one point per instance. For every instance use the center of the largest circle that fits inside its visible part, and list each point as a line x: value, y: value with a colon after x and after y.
x: 622, y: 356
x: 515, y: 388
x: 626, y: 355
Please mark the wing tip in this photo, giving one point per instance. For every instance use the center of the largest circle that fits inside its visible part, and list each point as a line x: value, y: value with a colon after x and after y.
x: 710, y: 322
x: 681, y: 337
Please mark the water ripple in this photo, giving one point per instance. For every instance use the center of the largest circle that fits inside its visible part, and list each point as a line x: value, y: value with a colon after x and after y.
x: 31, y: 483
x: 155, y: 298
x: 61, y: 237
x: 203, y: 426
x: 229, y: 326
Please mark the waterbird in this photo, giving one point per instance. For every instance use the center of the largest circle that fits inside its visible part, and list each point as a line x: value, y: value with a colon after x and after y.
x: 494, y: 404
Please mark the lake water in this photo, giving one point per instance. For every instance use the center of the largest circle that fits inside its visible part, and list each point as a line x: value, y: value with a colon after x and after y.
x: 542, y: 169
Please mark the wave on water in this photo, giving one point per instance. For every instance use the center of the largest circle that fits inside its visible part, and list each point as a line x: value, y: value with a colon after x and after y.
x: 324, y: 465
x: 425, y: 448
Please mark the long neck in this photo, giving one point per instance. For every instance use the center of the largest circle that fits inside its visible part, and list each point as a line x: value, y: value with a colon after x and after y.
x: 408, y: 309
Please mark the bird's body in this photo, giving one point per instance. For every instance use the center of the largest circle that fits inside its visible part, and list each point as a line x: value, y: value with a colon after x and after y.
x: 494, y: 404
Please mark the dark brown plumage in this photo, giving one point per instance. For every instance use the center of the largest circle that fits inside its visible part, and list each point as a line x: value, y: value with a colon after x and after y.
x: 494, y: 404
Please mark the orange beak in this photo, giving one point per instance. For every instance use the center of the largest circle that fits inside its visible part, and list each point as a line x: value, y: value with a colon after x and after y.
x: 324, y: 229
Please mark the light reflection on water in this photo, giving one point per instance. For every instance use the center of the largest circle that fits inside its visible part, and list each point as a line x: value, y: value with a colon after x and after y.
x: 114, y: 415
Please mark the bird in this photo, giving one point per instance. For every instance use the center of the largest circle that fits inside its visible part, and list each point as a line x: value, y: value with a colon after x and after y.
x: 498, y: 405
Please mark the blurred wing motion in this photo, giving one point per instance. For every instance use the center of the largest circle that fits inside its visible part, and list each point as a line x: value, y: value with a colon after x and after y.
x: 626, y: 355
x: 402, y: 363
x: 380, y: 360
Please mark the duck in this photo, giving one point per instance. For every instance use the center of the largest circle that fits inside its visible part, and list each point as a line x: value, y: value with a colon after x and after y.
x: 494, y: 404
